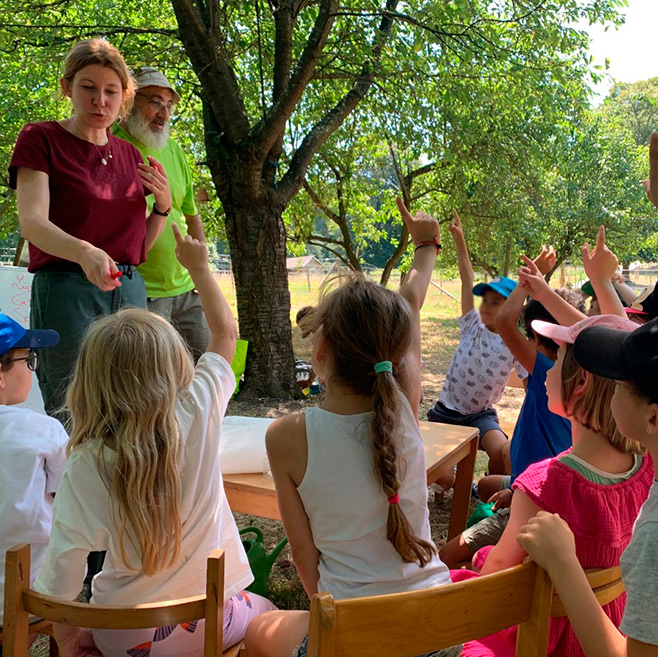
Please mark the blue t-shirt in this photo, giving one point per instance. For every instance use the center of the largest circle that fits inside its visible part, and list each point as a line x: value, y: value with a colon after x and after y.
x: 538, y: 434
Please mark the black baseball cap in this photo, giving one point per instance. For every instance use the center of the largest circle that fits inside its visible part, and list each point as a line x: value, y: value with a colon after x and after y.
x: 621, y: 355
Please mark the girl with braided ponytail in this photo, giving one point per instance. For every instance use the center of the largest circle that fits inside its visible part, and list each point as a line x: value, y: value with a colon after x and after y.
x: 350, y: 474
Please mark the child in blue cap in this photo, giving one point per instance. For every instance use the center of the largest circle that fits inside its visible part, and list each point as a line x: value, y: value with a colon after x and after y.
x: 479, y: 370
x: 32, y: 449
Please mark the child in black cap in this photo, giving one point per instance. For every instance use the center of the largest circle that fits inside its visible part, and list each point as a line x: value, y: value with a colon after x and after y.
x: 631, y: 359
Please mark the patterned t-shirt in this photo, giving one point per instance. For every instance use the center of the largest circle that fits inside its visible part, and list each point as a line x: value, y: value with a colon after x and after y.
x: 479, y: 370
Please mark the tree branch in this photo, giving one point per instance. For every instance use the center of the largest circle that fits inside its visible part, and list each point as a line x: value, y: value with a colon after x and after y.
x: 266, y: 134
x: 322, y: 130
x: 319, y: 203
x: 210, y: 63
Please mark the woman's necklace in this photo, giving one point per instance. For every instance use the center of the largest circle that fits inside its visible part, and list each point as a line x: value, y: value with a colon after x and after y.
x: 109, y: 148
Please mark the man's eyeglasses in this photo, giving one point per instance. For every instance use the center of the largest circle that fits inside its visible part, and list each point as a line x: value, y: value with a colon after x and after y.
x: 32, y: 361
x: 156, y: 104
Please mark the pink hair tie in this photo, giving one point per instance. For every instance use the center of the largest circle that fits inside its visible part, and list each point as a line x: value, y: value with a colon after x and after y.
x: 395, y: 499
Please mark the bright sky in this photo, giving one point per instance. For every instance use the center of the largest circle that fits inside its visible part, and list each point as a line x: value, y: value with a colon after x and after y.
x: 631, y: 48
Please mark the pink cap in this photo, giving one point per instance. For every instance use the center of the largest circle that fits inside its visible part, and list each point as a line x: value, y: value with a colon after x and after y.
x: 568, y: 334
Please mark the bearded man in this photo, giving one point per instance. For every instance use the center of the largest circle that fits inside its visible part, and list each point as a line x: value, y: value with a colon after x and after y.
x: 169, y: 287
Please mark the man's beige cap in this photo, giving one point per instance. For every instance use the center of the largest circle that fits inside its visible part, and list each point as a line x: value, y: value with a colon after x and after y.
x: 149, y: 76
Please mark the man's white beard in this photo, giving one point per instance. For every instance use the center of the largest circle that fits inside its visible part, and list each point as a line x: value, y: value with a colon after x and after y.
x: 139, y: 128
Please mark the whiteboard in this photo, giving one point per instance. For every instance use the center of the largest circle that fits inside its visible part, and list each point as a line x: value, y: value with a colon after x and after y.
x: 15, y: 285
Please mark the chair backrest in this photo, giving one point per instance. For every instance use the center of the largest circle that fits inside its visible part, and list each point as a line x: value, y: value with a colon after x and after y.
x: 417, y: 622
x: 21, y: 601
x: 606, y: 583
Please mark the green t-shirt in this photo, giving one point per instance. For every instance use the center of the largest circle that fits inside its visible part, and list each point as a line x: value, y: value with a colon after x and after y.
x: 163, y: 275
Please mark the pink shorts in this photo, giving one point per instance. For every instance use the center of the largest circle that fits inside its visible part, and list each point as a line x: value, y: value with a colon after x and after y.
x: 185, y: 640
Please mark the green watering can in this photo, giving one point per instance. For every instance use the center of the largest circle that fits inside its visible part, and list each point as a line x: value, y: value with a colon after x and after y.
x: 260, y: 561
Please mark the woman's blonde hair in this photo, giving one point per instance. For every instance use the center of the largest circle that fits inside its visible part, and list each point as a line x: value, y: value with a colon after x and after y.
x: 363, y: 324
x: 131, y: 368
x: 100, y: 52
x: 592, y: 409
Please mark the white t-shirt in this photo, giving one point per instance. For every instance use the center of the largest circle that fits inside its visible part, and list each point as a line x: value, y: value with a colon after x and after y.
x: 32, y: 461
x: 347, y: 508
x: 639, y: 571
x: 479, y: 370
x: 84, y: 522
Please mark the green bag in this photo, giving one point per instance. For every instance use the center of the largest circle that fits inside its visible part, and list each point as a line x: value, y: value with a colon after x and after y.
x: 482, y: 510
x: 239, y: 362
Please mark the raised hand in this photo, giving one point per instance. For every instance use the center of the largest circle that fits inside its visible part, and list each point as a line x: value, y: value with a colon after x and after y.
x: 191, y: 253
x: 546, y: 260
x: 456, y: 229
x: 422, y: 227
x: 602, y: 263
x: 155, y: 178
x: 531, y: 279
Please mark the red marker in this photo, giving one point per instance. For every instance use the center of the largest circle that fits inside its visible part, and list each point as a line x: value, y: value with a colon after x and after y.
x: 116, y: 275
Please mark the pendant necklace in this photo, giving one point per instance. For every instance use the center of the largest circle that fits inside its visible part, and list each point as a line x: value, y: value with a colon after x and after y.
x: 98, y: 150
x: 109, y: 154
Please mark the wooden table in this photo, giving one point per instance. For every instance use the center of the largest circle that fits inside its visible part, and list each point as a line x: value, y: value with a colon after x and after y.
x: 445, y: 446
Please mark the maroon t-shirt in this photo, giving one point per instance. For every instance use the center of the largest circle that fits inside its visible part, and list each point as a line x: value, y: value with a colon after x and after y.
x: 104, y: 205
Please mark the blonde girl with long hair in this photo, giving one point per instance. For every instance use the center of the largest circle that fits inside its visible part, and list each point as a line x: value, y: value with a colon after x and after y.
x: 143, y: 479
x: 350, y: 474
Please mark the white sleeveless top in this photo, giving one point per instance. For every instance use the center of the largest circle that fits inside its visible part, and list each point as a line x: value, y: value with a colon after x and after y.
x: 347, y: 507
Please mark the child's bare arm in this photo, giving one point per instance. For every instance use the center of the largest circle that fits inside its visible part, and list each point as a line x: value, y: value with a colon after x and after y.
x: 508, y: 552
x: 193, y: 255
x: 534, y: 283
x: 287, y: 453
x: 463, y: 262
x: 549, y: 541
x: 600, y: 267
x: 422, y: 228
x: 507, y: 320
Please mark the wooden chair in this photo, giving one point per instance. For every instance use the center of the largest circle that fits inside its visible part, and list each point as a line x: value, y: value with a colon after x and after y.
x: 606, y: 583
x: 41, y: 627
x: 21, y: 601
x: 416, y: 622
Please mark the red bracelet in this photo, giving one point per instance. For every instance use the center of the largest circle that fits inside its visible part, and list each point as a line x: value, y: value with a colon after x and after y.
x: 435, y: 242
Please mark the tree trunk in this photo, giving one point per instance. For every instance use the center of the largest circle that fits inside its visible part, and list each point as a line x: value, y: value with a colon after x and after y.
x: 508, y: 255
x: 257, y: 241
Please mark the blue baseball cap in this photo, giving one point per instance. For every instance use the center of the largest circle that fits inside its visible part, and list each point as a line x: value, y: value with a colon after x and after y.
x: 14, y: 336
x: 500, y: 284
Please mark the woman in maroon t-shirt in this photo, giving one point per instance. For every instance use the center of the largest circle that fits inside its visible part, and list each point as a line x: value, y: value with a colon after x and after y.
x: 81, y: 205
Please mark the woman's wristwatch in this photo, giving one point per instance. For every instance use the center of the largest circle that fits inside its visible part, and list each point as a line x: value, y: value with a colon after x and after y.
x: 159, y: 212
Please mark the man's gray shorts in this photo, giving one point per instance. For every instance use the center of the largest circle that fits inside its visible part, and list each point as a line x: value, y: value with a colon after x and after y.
x: 186, y: 314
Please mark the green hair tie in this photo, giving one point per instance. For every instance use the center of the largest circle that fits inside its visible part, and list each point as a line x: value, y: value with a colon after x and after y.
x: 383, y: 366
